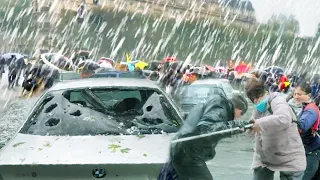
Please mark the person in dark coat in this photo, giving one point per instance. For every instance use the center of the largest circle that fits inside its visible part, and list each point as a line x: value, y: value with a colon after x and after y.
x: 2, y: 66
x: 13, y: 70
x: 31, y: 75
x: 20, y: 65
x: 53, y: 74
x: 189, y: 158
x: 166, y: 78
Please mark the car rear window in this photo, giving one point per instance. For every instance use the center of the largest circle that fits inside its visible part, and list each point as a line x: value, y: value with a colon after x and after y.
x: 69, y: 76
x: 115, y: 75
x: 194, y: 94
x: 103, y: 75
x: 227, y: 88
x: 102, y: 111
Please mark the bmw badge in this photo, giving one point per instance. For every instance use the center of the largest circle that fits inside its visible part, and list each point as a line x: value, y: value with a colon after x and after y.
x: 99, y: 173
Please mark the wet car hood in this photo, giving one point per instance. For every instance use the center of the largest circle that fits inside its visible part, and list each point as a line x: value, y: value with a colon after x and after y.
x: 44, y: 150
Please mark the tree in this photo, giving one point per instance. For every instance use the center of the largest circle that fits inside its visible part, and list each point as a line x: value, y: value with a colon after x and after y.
x: 284, y: 22
x: 243, y: 5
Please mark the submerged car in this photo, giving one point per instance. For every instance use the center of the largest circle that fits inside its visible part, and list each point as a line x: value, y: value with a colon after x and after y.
x: 199, y: 91
x: 92, y: 128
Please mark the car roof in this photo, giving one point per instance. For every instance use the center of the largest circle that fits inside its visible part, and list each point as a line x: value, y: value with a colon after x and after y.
x: 210, y: 81
x: 105, y: 82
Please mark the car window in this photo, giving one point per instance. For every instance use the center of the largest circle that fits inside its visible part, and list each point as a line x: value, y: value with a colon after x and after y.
x: 102, y: 112
x: 111, y: 97
x: 195, y: 94
x: 104, y: 75
x: 227, y: 88
x: 70, y: 76
x: 110, y: 75
x: 77, y: 97
x: 114, y: 75
x: 128, y: 75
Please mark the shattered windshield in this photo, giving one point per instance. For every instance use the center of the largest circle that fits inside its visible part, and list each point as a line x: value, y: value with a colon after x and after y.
x: 102, y: 111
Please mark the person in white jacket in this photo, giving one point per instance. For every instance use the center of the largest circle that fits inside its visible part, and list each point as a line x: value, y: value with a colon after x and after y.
x: 278, y: 146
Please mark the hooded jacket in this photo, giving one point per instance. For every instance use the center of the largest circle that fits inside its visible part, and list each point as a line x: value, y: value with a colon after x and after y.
x: 278, y: 145
x: 214, y: 115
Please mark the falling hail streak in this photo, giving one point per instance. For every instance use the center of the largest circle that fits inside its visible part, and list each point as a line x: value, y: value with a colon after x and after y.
x: 8, y: 100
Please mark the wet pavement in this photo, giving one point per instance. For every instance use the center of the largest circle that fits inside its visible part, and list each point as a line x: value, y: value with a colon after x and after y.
x: 233, y: 159
x: 234, y: 156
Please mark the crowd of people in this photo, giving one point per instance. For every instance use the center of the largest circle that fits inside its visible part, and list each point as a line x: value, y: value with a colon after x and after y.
x: 286, y: 130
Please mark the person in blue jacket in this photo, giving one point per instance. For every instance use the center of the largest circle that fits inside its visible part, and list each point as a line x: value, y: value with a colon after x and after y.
x: 308, y: 124
x: 315, y: 89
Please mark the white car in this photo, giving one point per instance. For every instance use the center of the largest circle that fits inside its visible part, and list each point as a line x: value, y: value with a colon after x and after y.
x: 223, y: 83
x: 68, y: 76
x: 199, y: 92
x: 105, y: 128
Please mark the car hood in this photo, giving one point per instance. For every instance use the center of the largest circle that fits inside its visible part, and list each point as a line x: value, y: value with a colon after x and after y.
x: 32, y: 149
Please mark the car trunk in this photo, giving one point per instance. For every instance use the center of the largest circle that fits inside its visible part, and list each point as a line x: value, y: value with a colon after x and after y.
x: 76, y: 157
